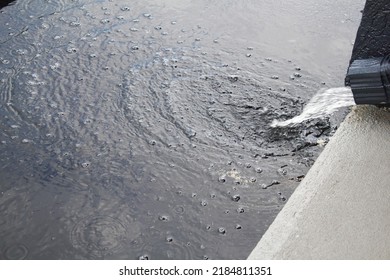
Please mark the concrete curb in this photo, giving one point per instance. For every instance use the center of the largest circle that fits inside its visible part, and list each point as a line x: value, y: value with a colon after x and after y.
x: 341, y: 210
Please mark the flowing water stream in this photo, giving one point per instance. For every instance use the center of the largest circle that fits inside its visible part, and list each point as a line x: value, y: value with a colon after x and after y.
x: 324, y: 103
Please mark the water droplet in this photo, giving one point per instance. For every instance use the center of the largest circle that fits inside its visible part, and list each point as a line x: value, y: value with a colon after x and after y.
x: 248, y: 55
x: 203, y: 203
x: 252, y: 179
x: 222, y: 230
x: 238, y: 226
x: 92, y: 55
x: 134, y: 48
x: 236, y: 197
x: 240, y: 210
x: 152, y: 142
x: 158, y: 27
x: 298, y: 68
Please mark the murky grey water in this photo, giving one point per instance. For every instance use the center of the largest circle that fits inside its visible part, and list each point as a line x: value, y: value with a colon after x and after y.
x: 140, y: 129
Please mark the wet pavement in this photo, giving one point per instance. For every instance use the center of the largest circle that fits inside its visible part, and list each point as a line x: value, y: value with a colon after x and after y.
x: 141, y: 129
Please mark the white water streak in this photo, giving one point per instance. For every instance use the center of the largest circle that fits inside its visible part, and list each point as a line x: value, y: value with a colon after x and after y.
x: 322, y: 104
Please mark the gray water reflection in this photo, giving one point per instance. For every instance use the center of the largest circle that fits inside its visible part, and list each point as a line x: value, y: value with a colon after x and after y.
x: 140, y: 129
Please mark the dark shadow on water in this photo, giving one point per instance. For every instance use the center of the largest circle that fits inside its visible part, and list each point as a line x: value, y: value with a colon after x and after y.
x: 4, y: 3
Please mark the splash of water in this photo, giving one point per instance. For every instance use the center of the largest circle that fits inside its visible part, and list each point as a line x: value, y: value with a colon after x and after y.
x: 322, y: 104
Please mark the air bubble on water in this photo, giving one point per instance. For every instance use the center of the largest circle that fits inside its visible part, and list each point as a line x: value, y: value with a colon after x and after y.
x: 85, y: 164
x: 163, y: 218
x: 297, y: 75
x: 143, y: 257
x: 169, y: 239
x: 75, y: 23
x: 71, y: 50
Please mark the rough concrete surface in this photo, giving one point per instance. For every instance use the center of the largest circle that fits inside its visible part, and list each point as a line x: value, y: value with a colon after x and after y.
x: 341, y: 210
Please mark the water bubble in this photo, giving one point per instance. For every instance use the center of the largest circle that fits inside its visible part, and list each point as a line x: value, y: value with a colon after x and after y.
x: 203, y: 203
x: 297, y: 68
x: 169, y: 239
x: 222, y: 230
x: 208, y: 227
x: 93, y: 55
x: 274, y: 77
x: 105, y: 21
x: 85, y: 164
x: 158, y: 27
x: 74, y: 23
x: 297, y: 75
x: 163, y: 218
x: 193, y: 195
x: 152, y: 142
x: 240, y: 210
x: 133, y: 29
x: 143, y: 257
x: 134, y: 48
x: 238, y: 226
x: 125, y: 8
x: 222, y: 179
x: 205, y: 257
x: 252, y: 179
x: 71, y: 50
x: 248, y: 55
x: 227, y: 211
x: 236, y: 197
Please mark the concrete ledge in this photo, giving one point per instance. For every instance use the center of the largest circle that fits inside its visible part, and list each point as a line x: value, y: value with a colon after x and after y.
x: 341, y: 210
